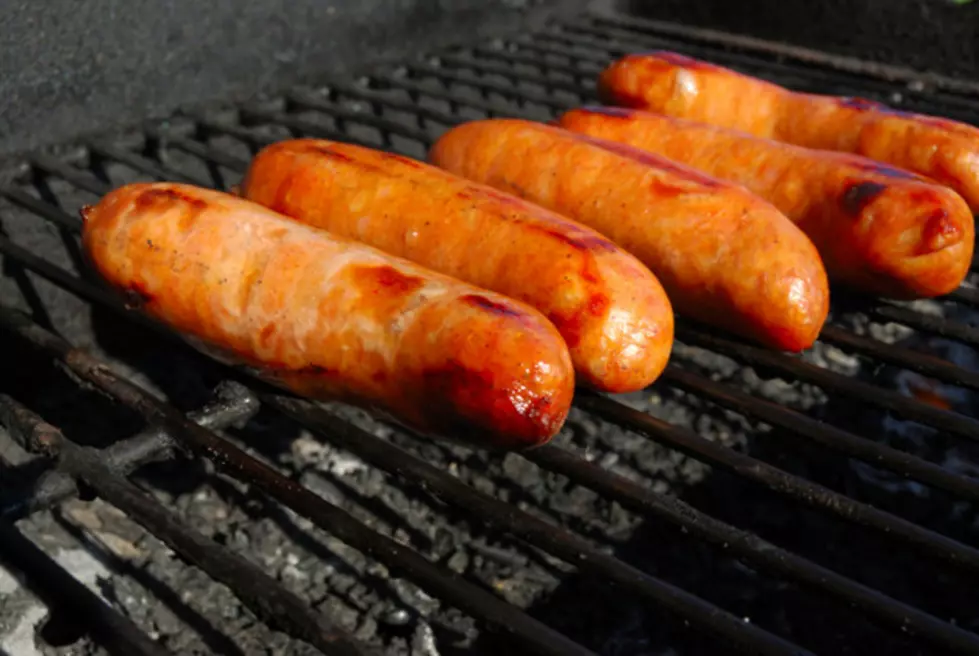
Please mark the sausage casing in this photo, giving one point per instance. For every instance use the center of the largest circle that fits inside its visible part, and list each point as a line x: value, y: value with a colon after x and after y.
x: 878, y: 229
x: 613, y: 313
x: 330, y: 318
x: 724, y: 256
x: 943, y: 150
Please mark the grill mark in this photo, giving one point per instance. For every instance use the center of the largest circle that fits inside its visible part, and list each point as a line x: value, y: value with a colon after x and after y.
x: 857, y: 195
x: 388, y: 279
x: 572, y: 325
x: 652, y: 160
x: 492, y: 306
x: 155, y: 197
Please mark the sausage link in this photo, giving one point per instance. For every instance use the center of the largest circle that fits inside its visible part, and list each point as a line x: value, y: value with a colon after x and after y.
x: 612, y: 312
x: 943, y: 150
x: 878, y: 229
x: 330, y: 318
x: 724, y: 256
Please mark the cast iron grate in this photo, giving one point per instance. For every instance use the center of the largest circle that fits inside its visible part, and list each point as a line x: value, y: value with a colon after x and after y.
x: 905, y: 372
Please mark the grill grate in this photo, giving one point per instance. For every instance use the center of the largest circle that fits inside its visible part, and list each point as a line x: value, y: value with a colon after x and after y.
x: 404, y: 109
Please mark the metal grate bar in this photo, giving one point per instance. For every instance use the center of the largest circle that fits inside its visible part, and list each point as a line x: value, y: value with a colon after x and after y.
x: 231, y: 459
x: 927, y: 323
x: 455, y: 61
x: 257, y: 590
x: 797, y: 423
x: 902, y: 406
x: 921, y: 363
x: 233, y: 403
x: 756, y: 550
x: 806, y: 492
x: 107, y: 151
x: 508, y: 56
x: 837, y: 63
x: 376, y: 99
x: 534, y: 531
x: 63, y: 592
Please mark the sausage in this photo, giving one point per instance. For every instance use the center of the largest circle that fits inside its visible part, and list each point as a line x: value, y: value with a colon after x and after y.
x: 879, y: 230
x: 725, y: 257
x: 612, y: 312
x: 943, y: 150
x: 329, y: 318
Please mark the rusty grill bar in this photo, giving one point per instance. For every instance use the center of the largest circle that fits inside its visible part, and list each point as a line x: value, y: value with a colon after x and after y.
x: 404, y: 109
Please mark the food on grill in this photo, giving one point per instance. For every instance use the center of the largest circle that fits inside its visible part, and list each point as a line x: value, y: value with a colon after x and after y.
x: 880, y: 230
x: 613, y: 313
x: 724, y: 256
x: 330, y: 318
x: 943, y: 150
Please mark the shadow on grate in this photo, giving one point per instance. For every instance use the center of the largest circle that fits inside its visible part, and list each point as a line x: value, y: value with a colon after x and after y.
x: 749, y: 499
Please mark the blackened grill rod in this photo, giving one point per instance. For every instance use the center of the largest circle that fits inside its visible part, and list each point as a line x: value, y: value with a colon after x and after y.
x: 534, y: 531
x: 450, y: 62
x: 871, y: 71
x: 927, y: 541
x: 797, y: 369
x: 258, y: 591
x: 754, y: 549
x: 64, y: 593
x: 878, y: 455
x: 233, y: 403
x: 226, y: 456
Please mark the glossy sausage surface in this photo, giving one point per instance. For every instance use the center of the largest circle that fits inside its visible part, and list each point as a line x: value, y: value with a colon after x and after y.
x: 944, y: 150
x: 724, y: 256
x: 613, y: 313
x: 330, y: 318
x: 878, y: 229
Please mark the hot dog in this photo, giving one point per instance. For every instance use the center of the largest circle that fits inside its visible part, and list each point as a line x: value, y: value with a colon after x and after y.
x: 613, y: 313
x: 943, y: 150
x: 878, y: 229
x: 330, y: 318
x: 724, y: 256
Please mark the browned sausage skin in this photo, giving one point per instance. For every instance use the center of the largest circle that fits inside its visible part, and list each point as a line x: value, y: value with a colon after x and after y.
x: 724, y: 256
x: 878, y: 229
x: 612, y: 312
x: 669, y: 83
x: 330, y: 318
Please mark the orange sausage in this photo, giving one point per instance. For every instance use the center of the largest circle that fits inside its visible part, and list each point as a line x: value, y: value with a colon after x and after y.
x: 330, y: 318
x: 724, y: 256
x: 613, y: 313
x: 943, y: 150
x: 878, y: 229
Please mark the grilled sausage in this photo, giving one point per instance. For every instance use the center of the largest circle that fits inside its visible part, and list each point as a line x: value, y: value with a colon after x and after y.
x: 330, y: 318
x: 878, y: 229
x: 724, y: 256
x: 613, y: 313
x: 943, y: 150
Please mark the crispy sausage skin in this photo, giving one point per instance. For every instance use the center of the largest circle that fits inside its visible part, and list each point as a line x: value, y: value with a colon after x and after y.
x: 724, y: 256
x: 878, y: 229
x: 330, y: 318
x: 613, y: 313
x: 943, y: 150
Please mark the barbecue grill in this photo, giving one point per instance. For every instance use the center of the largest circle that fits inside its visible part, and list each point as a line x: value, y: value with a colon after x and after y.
x: 750, y: 501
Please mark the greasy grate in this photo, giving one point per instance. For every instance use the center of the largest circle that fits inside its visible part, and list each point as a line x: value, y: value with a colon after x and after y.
x: 887, y: 392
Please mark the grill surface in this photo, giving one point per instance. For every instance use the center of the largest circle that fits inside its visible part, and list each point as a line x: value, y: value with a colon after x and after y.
x: 750, y: 500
